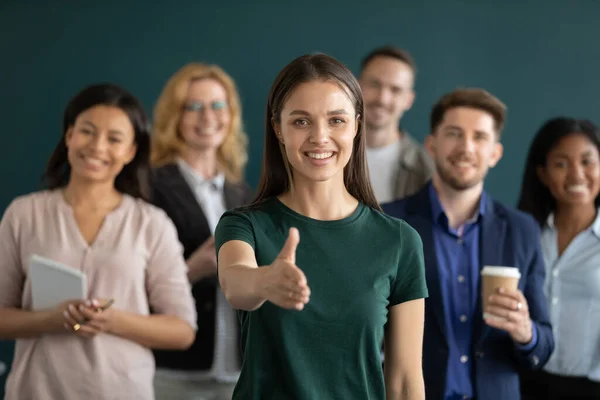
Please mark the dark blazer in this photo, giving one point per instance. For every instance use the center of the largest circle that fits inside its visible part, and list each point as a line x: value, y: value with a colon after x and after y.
x: 171, y: 192
x: 508, y: 237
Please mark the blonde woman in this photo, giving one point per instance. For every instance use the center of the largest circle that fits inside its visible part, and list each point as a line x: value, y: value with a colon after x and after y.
x: 199, y: 154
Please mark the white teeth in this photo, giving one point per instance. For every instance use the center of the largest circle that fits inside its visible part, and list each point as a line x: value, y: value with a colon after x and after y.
x: 577, y: 189
x: 463, y: 164
x: 320, y: 156
x: 94, y: 161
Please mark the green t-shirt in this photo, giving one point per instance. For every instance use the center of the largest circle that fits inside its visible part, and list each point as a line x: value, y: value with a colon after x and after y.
x: 356, y: 268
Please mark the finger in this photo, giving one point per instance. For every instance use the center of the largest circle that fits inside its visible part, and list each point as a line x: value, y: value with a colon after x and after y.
x: 290, y: 304
x: 514, y: 294
x: 501, y: 312
x: 288, y: 252
x: 84, y: 330
x: 500, y: 323
x: 292, y: 296
x: 501, y: 300
x: 75, y: 314
x: 296, y: 275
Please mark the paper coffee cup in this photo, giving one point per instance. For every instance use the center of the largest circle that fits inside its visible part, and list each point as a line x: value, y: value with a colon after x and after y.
x: 495, y: 277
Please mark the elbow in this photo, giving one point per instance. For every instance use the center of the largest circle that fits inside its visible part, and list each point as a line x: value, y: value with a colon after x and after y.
x: 187, y: 338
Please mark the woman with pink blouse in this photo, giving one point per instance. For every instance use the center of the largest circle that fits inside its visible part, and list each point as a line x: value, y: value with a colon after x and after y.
x: 93, y: 218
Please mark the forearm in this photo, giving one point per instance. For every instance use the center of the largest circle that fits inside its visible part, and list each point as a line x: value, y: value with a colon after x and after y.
x: 22, y: 324
x: 153, y: 331
x: 241, y: 285
x: 196, y: 272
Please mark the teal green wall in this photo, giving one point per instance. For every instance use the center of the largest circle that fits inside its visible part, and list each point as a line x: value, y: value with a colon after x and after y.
x: 540, y: 57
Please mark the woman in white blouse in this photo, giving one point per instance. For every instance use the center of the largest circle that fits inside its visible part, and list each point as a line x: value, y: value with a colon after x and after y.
x: 93, y: 218
x: 560, y: 189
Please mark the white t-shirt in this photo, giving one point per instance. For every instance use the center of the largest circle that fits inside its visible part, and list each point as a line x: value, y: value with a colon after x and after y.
x: 383, y: 168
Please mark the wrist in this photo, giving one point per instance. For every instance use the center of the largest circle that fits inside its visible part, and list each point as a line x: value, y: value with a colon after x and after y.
x: 115, y: 325
x: 256, y: 283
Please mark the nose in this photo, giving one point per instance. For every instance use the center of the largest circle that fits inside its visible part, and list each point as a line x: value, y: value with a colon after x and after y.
x: 576, y: 172
x: 99, y: 142
x: 319, y: 134
x: 384, y: 96
x: 467, y: 144
x: 206, y: 114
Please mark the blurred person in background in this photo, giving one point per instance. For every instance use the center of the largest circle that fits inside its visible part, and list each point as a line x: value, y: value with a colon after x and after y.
x: 560, y: 189
x: 398, y: 165
x: 93, y: 218
x: 199, y: 154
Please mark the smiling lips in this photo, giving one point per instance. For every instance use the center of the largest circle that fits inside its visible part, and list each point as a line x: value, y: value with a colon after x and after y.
x: 321, y: 155
x: 94, y: 162
x: 577, y: 189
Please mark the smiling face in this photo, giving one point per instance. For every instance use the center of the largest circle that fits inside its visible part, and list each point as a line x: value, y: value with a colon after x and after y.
x: 100, y: 143
x: 317, y: 128
x: 572, y: 171
x: 387, y: 86
x: 464, y: 146
x: 206, y: 118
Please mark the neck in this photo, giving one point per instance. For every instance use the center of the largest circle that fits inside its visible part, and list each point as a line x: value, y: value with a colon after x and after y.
x: 91, y: 195
x: 574, y: 219
x: 204, y: 162
x: 382, y: 137
x: 325, y: 201
x: 459, y: 205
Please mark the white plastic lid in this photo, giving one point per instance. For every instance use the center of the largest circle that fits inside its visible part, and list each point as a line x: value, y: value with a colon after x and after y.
x: 509, y: 272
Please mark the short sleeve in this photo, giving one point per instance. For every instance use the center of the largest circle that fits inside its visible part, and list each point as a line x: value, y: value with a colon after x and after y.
x: 169, y: 290
x: 410, y: 283
x: 11, y: 269
x: 234, y: 225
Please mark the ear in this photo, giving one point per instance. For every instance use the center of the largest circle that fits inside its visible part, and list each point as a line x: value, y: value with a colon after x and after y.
x: 68, y: 136
x: 132, y: 153
x: 430, y: 145
x: 277, y: 129
x: 496, y: 154
x: 410, y: 100
x: 541, y: 173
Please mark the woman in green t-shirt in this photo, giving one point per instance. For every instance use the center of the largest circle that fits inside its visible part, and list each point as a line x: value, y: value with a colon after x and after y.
x: 313, y: 311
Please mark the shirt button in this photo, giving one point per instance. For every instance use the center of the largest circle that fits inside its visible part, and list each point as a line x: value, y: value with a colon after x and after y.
x: 461, y: 278
x: 464, y: 359
x: 459, y: 241
x: 465, y: 397
x: 555, y: 273
x: 479, y: 354
x: 555, y: 300
x: 463, y: 318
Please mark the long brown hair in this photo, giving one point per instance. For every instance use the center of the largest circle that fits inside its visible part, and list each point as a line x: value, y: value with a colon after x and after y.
x: 276, y: 176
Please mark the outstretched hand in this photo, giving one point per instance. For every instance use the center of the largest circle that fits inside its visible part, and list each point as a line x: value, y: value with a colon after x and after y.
x: 284, y: 284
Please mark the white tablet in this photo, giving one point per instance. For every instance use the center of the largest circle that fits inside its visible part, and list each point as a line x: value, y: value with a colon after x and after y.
x: 53, y: 283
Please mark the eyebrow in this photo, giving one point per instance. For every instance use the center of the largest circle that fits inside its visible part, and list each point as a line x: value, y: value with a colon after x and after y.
x: 334, y: 112
x: 587, y: 153
x: 114, y: 131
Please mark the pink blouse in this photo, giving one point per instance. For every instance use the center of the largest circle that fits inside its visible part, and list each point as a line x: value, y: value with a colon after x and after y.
x: 136, y: 259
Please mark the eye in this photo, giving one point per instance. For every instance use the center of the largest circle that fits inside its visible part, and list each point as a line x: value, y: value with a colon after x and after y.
x: 337, y: 121
x: 300, y: 122
x: 114, y: 140
x: 193, y: 106
x: 218, y: 105
x: 85, y: 131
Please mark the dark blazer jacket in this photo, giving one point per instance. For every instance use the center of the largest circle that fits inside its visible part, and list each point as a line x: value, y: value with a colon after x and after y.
x: 508, y: 237
x: 171, y: 192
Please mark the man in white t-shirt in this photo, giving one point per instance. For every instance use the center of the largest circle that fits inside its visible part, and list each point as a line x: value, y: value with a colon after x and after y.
x: 399, y: 166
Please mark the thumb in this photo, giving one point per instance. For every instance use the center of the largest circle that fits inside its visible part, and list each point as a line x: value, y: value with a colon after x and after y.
x: 288, y: 252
